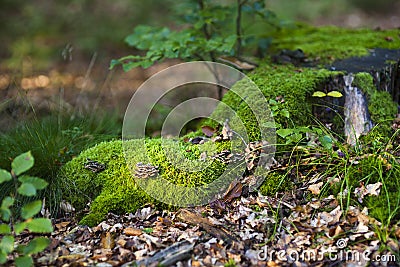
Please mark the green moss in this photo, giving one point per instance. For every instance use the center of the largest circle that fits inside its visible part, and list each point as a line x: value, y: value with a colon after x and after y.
x: 370, y: 170
x: 115, y: 190
x: 296, y: 88
x: 275, y: 182
x: 380, y: 105
x: 328, y: 43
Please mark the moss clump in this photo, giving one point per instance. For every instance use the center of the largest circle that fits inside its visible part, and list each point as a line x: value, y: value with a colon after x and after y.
x: 330, y: 43
x: 275, y: 182
x: 380, y: 105
x: 286, y: 81
x: 115, y: 189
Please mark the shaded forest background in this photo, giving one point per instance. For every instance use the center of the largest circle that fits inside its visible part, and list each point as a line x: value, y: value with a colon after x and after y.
x: 54, y: 55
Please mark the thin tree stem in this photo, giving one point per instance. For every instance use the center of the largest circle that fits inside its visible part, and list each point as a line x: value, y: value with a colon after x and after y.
x: 239, y: 27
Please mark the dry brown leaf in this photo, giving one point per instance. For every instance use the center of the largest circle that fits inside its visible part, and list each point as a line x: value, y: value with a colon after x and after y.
x: 62, y: 225
x: 208, y: 130
x: 121, y: 242
x: 234, y: 191
x: 370, y: 190
x: 130, y: 231
x: 315, y: 188
x: 107, y: 241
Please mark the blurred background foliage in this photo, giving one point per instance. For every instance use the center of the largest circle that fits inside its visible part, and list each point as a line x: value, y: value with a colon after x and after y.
x: 42, y: 29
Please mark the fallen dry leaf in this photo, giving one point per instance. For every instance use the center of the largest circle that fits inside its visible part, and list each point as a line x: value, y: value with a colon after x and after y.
x: 132, y: 231
x: 315, y: 188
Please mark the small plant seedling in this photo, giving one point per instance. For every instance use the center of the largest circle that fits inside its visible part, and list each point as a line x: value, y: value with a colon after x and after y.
x: 208, y: 35
x: 335, y: 94
x: 12, y: 225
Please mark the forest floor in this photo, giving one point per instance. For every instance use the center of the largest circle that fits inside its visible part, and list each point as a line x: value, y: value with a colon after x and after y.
x: 251, y: 229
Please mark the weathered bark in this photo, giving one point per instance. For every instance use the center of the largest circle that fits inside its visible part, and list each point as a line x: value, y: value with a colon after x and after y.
x: 384, y: 66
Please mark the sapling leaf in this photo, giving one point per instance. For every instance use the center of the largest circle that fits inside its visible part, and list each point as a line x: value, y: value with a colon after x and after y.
x: 285, y: 113
x: 326, y: 141
x: 270, y: 124
x: 3, y: 257
x: 335, y: 94
x: 5, y: 214
x: 4, y: 229
x: 296, y: 137
x: 5, y: 176
x: 7, y: 244
x: 7, y: 202
x: 303, y: 129
x: 40, y: 225
x: 284, y: 132
x: 318, y: 94
x: 4, y: 209
x: 31, y: 209
x: 36, y: 245
x: 272, y: 102
x: 24, y: 261
x: 19, y: 227
x: 22, y: 163
x: 37, y: 182
x: 27, y: 189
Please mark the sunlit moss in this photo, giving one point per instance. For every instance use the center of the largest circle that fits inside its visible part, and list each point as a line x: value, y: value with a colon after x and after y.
x: 328, y: 43
x: 114, y: 189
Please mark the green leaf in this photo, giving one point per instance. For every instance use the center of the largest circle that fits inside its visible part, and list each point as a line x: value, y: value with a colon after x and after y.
x: 22, y: 163
x: 19, y: 227
x: 7, y: 244
x: 40, y: 225
x: 4, y: 176
x: 3, y: 257
x: 270, y: 124
x: 319, y: 94
x: 7, y: 202
x: 27, y: 189
x: 113, y: 63
x: 303, y: 129
x: 4, y: 229
x: 24, y: 261
x: 148, y: 230
x: 326, y: 141
x: 285, y: 113
x: 284, y: 132
x: 36, y: 245
x: 4, y: 209
x: 31, y: 209
x: 37, y: 182
x: 5, y: 214
x: 335, y: 94
x: 294, y: 138
x: 273, y: 102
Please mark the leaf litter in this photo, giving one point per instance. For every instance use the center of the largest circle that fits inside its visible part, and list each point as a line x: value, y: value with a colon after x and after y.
x: 300, y: 227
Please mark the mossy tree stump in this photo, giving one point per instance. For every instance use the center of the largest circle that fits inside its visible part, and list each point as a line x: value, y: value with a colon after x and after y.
x: 115, y: 190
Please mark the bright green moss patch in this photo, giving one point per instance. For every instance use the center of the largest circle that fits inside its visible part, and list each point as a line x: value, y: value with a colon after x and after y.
x: 330, y: 43
x: 115, y: 190
x: 370, y: 170
x: 286, y: 82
